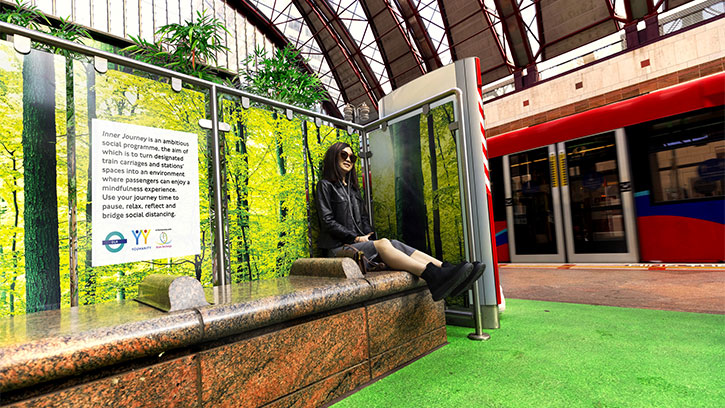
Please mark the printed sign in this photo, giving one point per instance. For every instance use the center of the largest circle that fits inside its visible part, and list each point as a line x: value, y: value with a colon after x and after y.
x: 145, y: 193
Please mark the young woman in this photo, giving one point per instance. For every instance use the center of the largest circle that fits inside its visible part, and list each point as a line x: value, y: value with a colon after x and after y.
x: 344, y: 220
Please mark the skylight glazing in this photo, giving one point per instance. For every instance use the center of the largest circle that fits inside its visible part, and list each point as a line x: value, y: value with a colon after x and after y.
x: 530, y: 18
x: 418, y: 21
x: 429, y: 12
x: 351, y: 14
x: 289, y: 21
x: 492, y: 13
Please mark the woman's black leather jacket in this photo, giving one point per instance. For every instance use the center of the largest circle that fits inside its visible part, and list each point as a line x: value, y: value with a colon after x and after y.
x: 342, y: 217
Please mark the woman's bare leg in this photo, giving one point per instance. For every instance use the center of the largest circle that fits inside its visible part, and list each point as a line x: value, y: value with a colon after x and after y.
x: 424, y: 258
x: 396, y: 259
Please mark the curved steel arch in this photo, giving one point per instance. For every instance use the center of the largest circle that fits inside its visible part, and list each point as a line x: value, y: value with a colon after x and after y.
x: 401, y: 61
x: 471, y: 33
x: 355, y: 85
x: 416, y: 25
x: 507, y: 36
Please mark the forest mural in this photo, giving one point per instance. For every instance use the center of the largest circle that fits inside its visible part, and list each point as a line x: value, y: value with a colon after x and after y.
x: 46, y: 106
x: 272, y: 168
x: 415, y: 188
x: 47, y: 101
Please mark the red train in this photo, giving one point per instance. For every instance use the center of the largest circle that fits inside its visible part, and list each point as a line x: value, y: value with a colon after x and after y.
x: 641, y: 180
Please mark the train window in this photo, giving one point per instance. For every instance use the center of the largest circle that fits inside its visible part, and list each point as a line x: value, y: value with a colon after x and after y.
x: 687, y: 157
x: 497, y: 189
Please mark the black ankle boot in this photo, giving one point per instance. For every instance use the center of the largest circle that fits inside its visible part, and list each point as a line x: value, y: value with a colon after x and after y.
x: 442, y: 281
x: 475, y: 274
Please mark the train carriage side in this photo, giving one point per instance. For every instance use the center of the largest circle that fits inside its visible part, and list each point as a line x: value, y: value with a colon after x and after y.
x: 641, y: 180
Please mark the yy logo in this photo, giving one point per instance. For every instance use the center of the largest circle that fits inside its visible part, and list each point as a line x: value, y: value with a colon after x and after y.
x: 139, y: 233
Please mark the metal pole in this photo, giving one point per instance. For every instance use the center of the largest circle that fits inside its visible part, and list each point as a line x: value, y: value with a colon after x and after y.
x: 221, y: 271
x: 365, y: 161
x: 478, y: 335
x: 308, y: 197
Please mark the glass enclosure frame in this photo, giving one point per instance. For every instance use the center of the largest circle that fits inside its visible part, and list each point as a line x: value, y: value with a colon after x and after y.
x: 463, y: 149
x: 454, y: 95
x: 385, y: 135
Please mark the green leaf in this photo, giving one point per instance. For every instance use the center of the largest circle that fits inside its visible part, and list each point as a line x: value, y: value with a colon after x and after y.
x: 280, y: 77
x: 189, y: 48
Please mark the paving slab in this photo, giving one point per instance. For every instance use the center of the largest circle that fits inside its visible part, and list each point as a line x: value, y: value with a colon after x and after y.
x: 686, y: 288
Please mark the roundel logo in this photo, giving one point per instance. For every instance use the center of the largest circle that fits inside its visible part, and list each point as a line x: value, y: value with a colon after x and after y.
x: 164, y: 238
x: 114, y: 241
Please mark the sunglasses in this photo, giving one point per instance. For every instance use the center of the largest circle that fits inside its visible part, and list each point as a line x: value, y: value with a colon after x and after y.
x: 344, y: 156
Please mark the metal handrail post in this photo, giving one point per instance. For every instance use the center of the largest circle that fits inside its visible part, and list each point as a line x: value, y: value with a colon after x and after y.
x: 221, y: 271
x: 477, y: 318
x: 366, y: 174
x: 478, y: 335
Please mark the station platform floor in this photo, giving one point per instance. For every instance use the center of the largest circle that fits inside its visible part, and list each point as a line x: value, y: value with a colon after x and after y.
x: 678, y: 287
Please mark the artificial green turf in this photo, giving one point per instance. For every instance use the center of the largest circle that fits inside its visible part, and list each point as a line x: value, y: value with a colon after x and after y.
x: 550, y: 354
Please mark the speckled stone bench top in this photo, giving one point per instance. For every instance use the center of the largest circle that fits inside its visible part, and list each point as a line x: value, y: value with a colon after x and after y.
x: 55, y: 344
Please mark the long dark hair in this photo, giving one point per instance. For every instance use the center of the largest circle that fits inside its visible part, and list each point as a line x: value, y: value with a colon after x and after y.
x: 330, y: 169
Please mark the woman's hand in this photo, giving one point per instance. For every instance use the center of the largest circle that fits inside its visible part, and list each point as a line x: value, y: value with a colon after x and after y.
x: 363, y: 238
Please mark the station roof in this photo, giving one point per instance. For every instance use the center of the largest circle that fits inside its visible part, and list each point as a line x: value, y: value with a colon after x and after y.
x: 363, y: 49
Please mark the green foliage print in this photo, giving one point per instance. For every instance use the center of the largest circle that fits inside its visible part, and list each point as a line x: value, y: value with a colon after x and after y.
x: 116, y: 96
x: 263, y: 243
x: 447, y: 194
x: 272, y: 165
x: 440, y: 185
x: 269, y: 167
x: 12, y: 250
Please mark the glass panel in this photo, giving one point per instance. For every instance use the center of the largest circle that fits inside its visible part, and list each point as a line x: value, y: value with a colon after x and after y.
x: 272, y: 167
x: 146, y: 20
x: 116, y: 14
x: 596, y: 204
x: 317, y: 140
x: 415, y: 188
x: 100, y: 15
x: 12, y: 257
x: 47, y: 104
x: 123, y: 95
x: 534, y: 228
x: 687, y: 157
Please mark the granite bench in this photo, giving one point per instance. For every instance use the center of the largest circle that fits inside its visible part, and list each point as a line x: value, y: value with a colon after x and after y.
x: 294, y: 341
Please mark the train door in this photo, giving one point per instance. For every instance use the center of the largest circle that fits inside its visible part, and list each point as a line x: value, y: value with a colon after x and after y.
x: 571, y: 202
x: 597, y: 199
x: 533, y: 206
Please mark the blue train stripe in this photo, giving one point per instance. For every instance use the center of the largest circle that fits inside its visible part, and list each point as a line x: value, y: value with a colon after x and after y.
x: 707, y: 210
x: 502, y: 237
